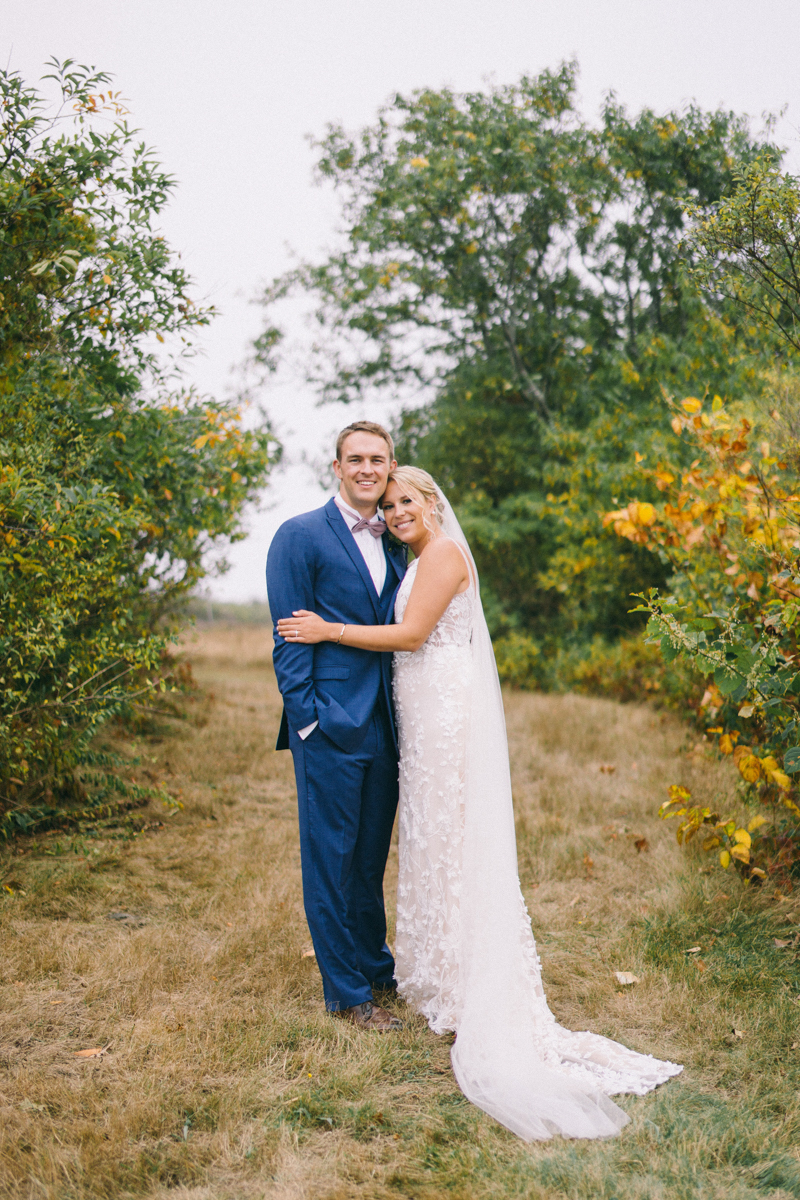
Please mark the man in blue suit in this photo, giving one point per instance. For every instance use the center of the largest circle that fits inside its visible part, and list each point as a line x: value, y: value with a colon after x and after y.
x: 338, y: 722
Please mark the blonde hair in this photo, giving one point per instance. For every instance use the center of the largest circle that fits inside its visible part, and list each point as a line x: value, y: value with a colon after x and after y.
x: 420, y: 485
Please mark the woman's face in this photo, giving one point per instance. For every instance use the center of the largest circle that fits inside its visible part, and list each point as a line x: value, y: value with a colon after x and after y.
x: 404, y: 515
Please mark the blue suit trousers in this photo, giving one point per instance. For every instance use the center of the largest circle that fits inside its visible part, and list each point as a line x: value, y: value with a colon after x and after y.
x: 347, y: 803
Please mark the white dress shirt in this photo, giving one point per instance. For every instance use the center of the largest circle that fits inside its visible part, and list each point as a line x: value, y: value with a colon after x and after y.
x: 373, y: 554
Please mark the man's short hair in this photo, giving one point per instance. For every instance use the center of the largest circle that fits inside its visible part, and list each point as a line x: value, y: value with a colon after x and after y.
x: 364, y: 427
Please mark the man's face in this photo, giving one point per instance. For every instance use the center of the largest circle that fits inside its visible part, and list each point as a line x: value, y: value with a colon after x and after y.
x: 363, y: 470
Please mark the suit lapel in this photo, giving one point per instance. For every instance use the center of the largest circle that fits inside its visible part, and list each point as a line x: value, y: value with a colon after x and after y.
x: 340, y: 528
x: 395, y: 568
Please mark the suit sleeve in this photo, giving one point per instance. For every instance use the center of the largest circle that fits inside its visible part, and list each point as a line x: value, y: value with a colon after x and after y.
x: 290, y: 585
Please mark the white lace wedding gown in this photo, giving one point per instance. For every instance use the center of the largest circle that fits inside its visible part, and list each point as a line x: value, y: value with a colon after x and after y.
x: 465, y: 954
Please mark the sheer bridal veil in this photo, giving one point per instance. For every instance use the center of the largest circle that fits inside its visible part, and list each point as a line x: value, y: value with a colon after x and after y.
x: 510, y: 1057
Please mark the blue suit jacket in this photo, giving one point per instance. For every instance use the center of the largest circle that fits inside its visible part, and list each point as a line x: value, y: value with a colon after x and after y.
x: 315, y: 563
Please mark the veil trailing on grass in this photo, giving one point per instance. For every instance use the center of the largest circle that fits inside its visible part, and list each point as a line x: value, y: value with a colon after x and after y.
x: 510, y: 1057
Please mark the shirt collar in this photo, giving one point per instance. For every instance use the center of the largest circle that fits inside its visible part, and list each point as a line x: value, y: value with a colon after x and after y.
x: 349, y: 514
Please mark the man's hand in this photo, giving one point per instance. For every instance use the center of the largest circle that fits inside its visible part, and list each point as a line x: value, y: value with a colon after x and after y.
x: 304, y: 626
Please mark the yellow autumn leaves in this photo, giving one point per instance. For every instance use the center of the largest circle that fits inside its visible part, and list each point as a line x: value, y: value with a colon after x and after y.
x: 632, y: 521
x: 752, y: 768
x: 733, y: 841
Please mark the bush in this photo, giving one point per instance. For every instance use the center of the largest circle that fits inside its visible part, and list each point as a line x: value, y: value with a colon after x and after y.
x: 634, y: 670
x: 630, y: 670
x: 519, y: 661
x: 728, y: 529
x: 112, y: 488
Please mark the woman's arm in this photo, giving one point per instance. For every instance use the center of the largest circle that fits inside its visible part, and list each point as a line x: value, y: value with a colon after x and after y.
x: 442, y: 572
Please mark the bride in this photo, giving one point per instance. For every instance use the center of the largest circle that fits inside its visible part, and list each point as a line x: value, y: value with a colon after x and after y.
x: 465, y: 954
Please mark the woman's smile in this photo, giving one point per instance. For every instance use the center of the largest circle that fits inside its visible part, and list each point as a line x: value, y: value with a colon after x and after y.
x: 403, y: 523
x: 405, y: 517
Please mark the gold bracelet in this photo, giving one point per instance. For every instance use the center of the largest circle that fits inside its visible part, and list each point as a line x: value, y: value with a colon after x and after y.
x: 341, y: 635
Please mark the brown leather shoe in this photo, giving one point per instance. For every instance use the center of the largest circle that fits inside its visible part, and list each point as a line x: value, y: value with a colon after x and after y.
x: 370, y: 1016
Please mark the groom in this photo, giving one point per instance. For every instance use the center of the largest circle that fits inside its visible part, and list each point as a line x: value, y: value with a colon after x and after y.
x: 338, y: 723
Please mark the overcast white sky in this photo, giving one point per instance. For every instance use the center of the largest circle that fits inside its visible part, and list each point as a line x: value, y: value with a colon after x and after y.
x: 227, y: 91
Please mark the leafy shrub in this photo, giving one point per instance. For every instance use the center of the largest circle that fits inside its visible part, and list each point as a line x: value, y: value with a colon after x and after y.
x: 634, y: 670
x: 734, y: 841
x: 728, y: 529
x: 112, y: 488
x: 519, y: 661
x: 630, y: 670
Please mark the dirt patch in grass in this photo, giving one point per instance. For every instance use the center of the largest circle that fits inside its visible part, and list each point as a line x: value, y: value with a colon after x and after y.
x: 221, y: 1078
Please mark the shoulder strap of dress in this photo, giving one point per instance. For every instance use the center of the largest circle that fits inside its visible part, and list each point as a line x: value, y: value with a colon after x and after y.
x: 467, y: 560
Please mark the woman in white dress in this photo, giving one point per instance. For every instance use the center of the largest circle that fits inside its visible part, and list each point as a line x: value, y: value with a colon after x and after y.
x: 465, y: 954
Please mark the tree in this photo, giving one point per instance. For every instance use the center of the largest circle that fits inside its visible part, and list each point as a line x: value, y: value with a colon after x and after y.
x: 747, y: 249
x: 112, y: 486
x: 520, y: 270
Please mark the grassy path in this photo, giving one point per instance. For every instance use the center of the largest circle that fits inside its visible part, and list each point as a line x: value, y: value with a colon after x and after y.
x: 224, y: 1080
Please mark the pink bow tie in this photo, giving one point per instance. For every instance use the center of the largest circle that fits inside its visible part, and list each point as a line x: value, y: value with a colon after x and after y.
x: 376, y: 527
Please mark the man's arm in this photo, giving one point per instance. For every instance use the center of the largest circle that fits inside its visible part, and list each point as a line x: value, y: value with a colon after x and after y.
x: 290, y: 579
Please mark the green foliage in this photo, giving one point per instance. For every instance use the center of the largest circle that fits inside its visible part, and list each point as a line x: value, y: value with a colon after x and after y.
x: 731, y: 534
x: 84, y: 270
x: 629, y: 669
x: 728, y: 530
x: 748, y: 248
x: 112, y: 490
x: 525, y: 267
x: 519, y: 661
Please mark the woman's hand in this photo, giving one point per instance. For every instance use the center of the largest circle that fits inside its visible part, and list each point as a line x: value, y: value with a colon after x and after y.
x: 304, y: 626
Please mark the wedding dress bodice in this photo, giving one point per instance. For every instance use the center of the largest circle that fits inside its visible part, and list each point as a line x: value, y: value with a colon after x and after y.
x: 454, y: 627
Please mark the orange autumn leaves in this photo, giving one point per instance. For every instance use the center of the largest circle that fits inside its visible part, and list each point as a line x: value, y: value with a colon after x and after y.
x: 728, y: 527
x: 736, y: 491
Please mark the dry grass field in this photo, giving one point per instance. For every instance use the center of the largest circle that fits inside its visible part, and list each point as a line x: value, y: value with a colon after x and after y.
x: 221, y: 1077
